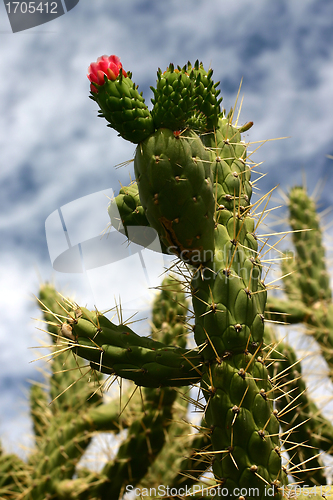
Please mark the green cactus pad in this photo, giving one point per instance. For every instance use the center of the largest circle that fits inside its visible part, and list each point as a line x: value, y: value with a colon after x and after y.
x: 126, y: 209
x: 173, y: 176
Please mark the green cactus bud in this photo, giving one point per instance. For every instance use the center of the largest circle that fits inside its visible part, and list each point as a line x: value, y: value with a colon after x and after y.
x: 120, y: 102
x: 126, y: 209
x: 207, y: 106
x: 186, y: 97
x: 173, y: 99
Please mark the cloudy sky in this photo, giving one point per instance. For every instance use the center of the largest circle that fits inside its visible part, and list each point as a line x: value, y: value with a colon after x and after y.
x: 55, y: 151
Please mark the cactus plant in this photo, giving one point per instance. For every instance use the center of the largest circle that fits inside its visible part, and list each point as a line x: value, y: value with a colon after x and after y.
x: 193, y: 188
x: 193, y: 179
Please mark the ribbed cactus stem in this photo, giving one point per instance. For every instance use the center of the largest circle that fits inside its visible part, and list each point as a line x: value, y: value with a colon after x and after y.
x: 311, y: 266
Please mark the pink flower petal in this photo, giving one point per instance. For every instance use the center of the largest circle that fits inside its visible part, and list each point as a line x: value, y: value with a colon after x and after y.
x: 105, y: 65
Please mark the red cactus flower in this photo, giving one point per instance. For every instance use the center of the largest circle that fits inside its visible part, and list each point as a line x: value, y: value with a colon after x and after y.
x: 105, y: 65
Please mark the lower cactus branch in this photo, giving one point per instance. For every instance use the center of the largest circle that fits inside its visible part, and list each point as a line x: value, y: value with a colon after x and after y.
x: 117, y: 350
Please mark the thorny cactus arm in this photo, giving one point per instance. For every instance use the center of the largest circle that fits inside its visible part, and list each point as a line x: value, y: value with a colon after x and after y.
x: 148, y: 432
x: 117, y: 350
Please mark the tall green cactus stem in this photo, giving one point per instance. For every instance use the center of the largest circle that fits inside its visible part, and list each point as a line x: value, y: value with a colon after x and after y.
x: 308, y: 292
x: 311, y: 267
x: 229, y: 300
